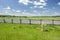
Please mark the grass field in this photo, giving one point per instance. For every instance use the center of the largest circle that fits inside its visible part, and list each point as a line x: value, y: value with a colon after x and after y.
x: 42, y: 17
x: 28, y: 32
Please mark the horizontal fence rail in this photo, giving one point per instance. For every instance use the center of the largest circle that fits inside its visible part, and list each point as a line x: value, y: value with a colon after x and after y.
x: 29, y: 21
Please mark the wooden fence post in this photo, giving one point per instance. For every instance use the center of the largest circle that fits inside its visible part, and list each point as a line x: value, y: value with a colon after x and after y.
x: 40, y: 21
x: 4, y: 21
x: 42, y: 25
x: 29, y: 21
x: 12, y: 21
x: 53, y: 21
x: 20, y: 21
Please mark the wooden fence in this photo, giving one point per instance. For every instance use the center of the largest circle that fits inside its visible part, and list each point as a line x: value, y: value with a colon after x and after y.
x: 29, y: 21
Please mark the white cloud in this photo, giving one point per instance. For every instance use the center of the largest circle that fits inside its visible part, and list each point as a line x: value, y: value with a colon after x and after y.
x: 55, y: 13
x: 35, y: 11
x: 35, y: 6
x: 26, y: 14
x: 31, y: 7
x: 6, y: 12
x: 42, y: 0
x: 36, y: 3
x: 18, y: 11
x: 40, y: 4
x: 25, y: 2
x: 8, y: 7
x: 44, y: 4
x: 58, y: 3
x: 13, y: 10
x: 46, y: 11
x: 41, y: 7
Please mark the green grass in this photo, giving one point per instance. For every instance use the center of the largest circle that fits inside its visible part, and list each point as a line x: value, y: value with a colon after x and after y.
x: 28, y: 32
x: 35, y: 18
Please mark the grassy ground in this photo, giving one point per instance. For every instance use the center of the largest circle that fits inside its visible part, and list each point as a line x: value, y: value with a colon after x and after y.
x: 28, y: 32
x: 43, y: 18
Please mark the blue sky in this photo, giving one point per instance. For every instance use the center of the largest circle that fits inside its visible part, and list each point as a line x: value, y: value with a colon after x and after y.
x: 30, y: 7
